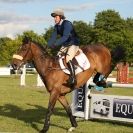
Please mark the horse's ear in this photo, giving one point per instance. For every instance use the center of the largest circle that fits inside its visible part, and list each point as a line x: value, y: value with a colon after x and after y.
x: 26, y: 40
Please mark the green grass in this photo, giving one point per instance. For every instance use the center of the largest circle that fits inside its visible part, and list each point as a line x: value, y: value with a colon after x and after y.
x: 22, y: 110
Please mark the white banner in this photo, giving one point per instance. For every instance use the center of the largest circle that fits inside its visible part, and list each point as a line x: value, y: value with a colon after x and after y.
x: 112, y: 107
x: 80, y: 101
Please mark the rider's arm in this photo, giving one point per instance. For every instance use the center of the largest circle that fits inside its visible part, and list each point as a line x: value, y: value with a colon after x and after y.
x: 53, y: 37
x: 66, y: 34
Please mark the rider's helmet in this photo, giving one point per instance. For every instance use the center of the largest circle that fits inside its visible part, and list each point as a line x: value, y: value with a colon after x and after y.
x: 58, y: 12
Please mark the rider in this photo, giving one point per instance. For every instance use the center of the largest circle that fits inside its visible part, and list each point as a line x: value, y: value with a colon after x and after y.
x: 68, y: 41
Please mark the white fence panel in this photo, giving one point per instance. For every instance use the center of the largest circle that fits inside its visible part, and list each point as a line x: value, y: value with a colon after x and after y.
x: 4, y: 71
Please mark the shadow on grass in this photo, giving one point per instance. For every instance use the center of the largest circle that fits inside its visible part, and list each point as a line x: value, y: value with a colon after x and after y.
x: 37, y: 114
x: 30, y: 116
x: 118, y: 123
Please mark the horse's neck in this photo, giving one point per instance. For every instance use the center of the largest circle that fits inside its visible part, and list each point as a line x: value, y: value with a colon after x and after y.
x: 41, y: 65
x: 41, y: 62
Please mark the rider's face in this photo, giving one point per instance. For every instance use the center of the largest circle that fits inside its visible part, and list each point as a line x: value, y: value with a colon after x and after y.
x: 57, y: 19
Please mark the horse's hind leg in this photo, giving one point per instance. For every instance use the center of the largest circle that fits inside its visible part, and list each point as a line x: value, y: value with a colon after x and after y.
x: 66, y: 106
x: 96, y: 78
x: 99, y: 79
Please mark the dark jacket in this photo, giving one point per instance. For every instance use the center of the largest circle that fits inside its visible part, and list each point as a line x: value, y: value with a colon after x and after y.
x: 67, y: 33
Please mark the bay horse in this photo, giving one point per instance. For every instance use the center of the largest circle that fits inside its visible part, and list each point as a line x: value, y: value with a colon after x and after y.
x: 55, y: 79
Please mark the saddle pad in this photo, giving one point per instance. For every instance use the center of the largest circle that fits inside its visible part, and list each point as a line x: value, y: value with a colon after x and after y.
x: 82, y: 61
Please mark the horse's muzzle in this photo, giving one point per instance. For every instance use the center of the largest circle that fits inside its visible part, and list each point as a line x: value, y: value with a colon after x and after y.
x: 14, y: 66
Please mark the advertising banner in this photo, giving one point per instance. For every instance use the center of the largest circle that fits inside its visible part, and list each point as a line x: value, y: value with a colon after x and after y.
x: 80, y: 101
x: 112, y: 107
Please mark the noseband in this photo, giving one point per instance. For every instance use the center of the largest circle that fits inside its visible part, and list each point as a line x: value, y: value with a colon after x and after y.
x: 16, y: 56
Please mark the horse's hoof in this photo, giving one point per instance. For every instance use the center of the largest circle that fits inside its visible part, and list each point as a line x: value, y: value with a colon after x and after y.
x: 71, y: 129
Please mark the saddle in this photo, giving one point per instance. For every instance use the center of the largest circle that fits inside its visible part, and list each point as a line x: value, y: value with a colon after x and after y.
x: 80, y: 62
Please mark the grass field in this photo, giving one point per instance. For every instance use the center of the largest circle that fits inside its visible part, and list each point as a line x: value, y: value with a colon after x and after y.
x: 22, y: 110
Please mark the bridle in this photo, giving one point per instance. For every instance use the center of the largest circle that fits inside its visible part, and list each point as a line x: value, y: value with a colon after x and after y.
x: 21, y: 58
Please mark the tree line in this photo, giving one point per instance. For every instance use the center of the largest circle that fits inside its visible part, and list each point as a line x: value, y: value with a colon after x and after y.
x: 108, y: 28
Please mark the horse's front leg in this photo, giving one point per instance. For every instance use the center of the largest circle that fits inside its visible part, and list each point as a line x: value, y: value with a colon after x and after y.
x: 53, y: 98
x: 66, y: 106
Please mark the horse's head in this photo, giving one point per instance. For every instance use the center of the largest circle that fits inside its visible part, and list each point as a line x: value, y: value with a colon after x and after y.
x: 23, y: 55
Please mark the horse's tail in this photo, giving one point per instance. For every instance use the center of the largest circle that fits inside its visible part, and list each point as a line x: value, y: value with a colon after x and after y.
x: 118, y: 54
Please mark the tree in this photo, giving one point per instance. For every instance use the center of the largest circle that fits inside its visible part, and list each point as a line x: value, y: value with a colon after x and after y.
x: 129, y: 22
x: 8, y: 48
x: 3, y: 54
x: 48, y: 33
x: 33, y: 37
x: 109, y: 20
x: 84, y: 32
x: 128, y: 33
x: 109, y: 27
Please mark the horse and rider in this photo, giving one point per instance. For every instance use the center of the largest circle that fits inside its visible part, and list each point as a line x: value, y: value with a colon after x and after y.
x: 58, y: 84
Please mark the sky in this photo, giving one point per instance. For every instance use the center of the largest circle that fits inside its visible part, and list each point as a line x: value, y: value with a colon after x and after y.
x: 17, y: 16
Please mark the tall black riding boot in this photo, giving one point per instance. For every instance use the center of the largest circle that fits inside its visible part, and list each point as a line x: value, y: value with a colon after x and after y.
x: 72, y: 79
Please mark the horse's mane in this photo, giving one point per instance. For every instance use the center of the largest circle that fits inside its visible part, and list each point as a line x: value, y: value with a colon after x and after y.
x: 45, y: 51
